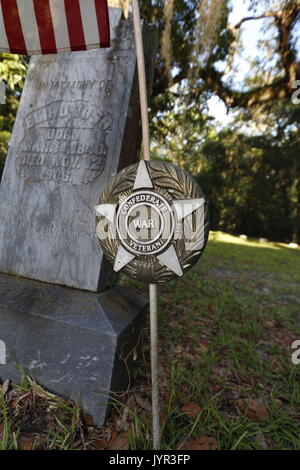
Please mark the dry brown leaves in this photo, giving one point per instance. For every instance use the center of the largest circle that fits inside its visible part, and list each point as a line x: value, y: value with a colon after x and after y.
x: 191, y: 409
x: 120, y: 442
x: 279, y: 335
x: 100, y: 444
x: 201, y: 443
x: 26, y: 441
x: 254, y: 409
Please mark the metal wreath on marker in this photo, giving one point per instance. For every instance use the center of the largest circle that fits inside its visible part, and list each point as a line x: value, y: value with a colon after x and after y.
x: 152, y: 221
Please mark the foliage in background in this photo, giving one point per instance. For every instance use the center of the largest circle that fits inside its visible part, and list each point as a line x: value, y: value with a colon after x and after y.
x: 250, y: 182
x: 249, y: 169
x: 204, y: 49
x: 12, y: 71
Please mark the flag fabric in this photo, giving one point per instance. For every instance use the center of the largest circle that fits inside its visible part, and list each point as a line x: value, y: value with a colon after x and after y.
x: 52, y: 26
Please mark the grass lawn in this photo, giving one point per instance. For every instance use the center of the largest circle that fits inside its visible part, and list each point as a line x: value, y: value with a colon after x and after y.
x: 227, y: 380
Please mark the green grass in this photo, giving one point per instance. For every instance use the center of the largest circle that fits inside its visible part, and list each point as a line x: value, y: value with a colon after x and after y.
x: 46, y: 420
x: 8, y: 440
x: 225, y: 335
x: 226, y: 330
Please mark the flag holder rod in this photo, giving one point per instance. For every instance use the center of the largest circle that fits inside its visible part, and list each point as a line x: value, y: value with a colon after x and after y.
x: 152, y: 287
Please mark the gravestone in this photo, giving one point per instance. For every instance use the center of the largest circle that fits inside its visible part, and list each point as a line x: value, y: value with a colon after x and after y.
x: 75, y: 343
x: 77, y: 125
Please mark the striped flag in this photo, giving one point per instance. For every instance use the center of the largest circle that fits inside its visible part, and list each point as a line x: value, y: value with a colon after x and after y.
x: 51, y: 26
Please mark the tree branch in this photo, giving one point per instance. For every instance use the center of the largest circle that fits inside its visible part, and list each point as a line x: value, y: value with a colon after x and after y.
x: 267, y: 14
x: 281, y: 88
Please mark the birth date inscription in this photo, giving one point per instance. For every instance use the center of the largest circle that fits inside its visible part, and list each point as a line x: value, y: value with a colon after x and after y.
x: 64, y: 142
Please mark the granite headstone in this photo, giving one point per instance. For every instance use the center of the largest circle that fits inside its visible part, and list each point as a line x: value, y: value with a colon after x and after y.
x: 77, y: 344
x: 77, y: 125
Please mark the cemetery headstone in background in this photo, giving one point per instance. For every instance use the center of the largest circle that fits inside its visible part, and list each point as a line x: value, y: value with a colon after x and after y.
x: 77, y: 125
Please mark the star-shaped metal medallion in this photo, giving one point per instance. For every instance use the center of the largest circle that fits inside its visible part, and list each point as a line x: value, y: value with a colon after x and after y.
x: 146, y: 223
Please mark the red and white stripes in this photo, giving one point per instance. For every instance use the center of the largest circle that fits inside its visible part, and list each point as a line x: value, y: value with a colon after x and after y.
x: 51, y: 26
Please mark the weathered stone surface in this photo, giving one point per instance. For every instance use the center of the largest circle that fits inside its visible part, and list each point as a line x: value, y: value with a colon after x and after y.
x: 77, y: 124
x: 74, y: 343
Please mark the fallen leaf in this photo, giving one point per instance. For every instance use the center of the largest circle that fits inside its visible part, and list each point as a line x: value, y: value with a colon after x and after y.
x: 191, y: 409
x: 270, y: 324
x: 201, y: 443
x: 254, y: 410
x: 193, y: 353
x: 101, y: 444
x: 203, y: 345
x: 178, y: 349
x: 120, y: 443
x: 88, y: 420
x: 113, y: 434
x: 276, y: 363
x: 25, y: 441
x: 221, y: 371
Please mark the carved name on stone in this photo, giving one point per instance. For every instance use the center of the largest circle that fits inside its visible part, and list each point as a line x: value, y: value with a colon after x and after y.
x: 59, y: 143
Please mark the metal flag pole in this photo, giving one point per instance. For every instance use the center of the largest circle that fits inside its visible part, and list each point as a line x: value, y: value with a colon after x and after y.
x: 152, y: 287
x: 154, y: 366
